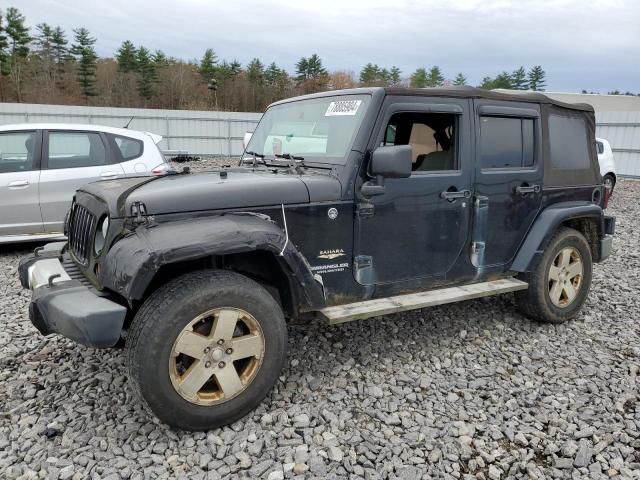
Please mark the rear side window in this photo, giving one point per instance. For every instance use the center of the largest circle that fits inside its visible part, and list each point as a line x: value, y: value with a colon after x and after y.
x: 506, y: 142
x: 128, y: 148
x: 17, y: 150
x: 75, y: 150
x: 600, y: 147
x: 569, y: 145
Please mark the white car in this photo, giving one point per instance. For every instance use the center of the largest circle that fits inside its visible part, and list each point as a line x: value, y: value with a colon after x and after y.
x: 42, y: 165
x: 607, y: 164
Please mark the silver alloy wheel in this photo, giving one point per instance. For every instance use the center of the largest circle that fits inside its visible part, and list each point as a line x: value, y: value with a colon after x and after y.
x: 216, y: 356
x: 565, y: 277
x: 608, y: 182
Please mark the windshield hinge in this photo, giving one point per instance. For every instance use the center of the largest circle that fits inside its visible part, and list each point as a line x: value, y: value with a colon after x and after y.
x: 138, y: 212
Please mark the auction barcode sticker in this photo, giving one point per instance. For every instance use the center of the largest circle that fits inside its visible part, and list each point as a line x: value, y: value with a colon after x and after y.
x: 343, y: 107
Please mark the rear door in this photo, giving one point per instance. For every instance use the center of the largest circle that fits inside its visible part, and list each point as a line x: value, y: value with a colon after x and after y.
x: 19, y: 175
x: 509, y: 173
x: 71, y: 159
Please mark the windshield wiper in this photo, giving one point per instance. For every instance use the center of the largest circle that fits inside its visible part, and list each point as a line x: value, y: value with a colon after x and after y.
x: 295, y: 162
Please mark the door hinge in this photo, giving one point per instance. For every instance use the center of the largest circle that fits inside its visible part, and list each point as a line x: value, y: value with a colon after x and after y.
x: 365, y: 210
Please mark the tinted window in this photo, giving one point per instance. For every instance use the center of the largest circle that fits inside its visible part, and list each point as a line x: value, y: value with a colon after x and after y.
x: 75, y: 150
x: 569, y: 147
x: 600, y: 147
x: 432, y: 137
x: 17, y: 151
x: 506, y: 142
x: 129, y: 148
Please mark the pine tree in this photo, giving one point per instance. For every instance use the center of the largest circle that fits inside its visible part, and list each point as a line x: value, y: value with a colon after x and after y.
x: 274, y: 76
x: 519, y: 79
x: 86, y: 59
x: 419, y: 78
x: 434, y: 77
x: 160, y: 59
x: 207, y: 67
x: 394, y: 76
x: 302, y: 69
x: 460, y: 80
x: 147, y: 70
x: 19, y: 39
x: 536, y: 78
x: 370, y: 74
x: 126, y: 56
x: 59, y: 46
x: 316, y: 70
x: 255, y: 72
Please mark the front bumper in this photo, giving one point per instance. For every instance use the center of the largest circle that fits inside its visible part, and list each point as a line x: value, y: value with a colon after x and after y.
x: 60, y: 304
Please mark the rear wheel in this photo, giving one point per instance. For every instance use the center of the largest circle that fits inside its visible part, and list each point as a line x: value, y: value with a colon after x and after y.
x: 560, y: 279
x: 206, y: 348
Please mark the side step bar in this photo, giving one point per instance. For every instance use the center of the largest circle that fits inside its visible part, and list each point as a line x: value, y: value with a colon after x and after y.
x: 413, y: 301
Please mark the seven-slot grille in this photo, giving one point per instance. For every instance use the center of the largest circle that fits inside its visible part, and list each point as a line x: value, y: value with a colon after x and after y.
x: 81, y: 224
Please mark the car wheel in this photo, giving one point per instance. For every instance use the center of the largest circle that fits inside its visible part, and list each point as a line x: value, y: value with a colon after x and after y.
x: 609, y: 182
x: 559, y: 280
x: 206, y: 348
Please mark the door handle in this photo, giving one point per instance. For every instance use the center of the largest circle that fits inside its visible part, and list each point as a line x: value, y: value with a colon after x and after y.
x: 524, y: 189
x: 455, y: 194
x: 19, y: 184
x: 108, y: 174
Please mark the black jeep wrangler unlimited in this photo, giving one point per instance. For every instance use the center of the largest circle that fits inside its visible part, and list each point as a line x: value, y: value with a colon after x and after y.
x: 350, y: 204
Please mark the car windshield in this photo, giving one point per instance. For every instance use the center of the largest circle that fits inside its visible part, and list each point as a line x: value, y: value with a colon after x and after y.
x: 318, y: 129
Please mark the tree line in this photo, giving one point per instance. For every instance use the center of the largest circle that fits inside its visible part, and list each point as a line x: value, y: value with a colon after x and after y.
x: 45, y: 64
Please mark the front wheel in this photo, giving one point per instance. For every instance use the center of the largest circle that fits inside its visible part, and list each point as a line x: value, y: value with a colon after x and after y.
x: 560, y: 279
x: 206, y: 348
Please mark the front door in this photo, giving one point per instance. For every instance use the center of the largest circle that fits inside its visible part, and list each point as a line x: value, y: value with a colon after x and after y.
x: 71, y: 159
x: 419, y: 226
x: 508, y: 179
x: 19, y: 175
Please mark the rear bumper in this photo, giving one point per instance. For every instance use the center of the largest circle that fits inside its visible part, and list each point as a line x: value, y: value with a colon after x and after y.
x: 65, y: 306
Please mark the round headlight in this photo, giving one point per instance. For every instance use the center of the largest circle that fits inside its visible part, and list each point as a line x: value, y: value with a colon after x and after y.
x: 101, y: 234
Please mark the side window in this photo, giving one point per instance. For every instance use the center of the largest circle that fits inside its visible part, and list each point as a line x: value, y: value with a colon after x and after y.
x: 128, y: 148
x: 600, y: 147
x: 17, y: 151
x: 432, y: 137
x: 506, y: 142
x: 568, y: 141
x: 75, y: 150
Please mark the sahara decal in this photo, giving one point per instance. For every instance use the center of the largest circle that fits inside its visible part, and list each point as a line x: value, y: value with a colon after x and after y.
x: 331, y: 254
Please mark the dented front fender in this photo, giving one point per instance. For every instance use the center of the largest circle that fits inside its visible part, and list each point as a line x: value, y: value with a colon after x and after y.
x: 134, y: 260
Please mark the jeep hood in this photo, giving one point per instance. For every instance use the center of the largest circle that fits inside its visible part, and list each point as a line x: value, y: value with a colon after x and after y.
x: 240, y: 188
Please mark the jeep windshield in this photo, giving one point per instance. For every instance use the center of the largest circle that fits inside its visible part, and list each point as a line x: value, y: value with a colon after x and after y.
x: 318, y: 130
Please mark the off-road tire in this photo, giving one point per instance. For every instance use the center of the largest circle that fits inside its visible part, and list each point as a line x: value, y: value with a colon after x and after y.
x: 161, y: 319
x: 535, y: 302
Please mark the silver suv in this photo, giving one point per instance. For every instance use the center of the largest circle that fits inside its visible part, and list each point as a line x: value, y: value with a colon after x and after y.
x: 42, y: 165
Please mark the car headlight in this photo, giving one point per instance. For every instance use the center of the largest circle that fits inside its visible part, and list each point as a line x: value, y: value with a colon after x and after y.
x: 101, y: 234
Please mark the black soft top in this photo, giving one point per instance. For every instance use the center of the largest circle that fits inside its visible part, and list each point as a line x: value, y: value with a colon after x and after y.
x: 458, y: 92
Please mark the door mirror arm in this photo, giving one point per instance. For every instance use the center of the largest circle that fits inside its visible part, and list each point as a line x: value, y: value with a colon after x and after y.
x: 374, y: 187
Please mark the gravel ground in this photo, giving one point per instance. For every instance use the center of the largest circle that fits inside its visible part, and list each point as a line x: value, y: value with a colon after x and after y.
x: 471, y: 390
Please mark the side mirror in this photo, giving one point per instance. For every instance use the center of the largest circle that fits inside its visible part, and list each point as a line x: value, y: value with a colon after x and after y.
x: 392, y: 162
x: 387, y: 162
x: 246, y: 139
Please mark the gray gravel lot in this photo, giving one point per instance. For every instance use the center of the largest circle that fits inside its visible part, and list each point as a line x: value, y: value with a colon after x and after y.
x: 470, y: 390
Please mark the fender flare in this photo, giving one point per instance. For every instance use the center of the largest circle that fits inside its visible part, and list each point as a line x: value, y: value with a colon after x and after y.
x: 133, y: 261
x: 547, y: 223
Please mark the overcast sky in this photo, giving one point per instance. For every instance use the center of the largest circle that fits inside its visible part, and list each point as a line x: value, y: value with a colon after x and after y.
x: 593, y: 45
